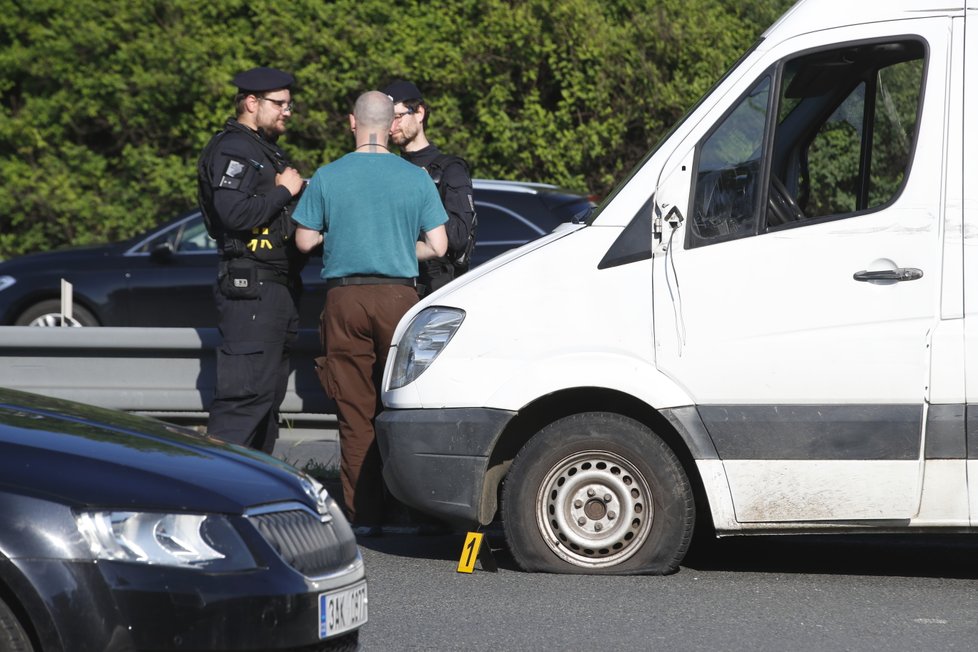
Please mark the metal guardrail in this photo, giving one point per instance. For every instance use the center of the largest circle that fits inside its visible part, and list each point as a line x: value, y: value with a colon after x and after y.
x: 167, y: 372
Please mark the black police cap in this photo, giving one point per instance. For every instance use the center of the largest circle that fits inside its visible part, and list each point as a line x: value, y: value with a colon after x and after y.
x: 262, y: 79
x: 400, y: 90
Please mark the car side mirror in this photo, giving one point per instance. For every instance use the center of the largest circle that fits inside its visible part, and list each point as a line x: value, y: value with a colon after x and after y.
x: 162, y: 252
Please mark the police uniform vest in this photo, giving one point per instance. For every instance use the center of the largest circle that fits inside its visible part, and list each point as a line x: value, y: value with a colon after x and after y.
x: 250, y: 169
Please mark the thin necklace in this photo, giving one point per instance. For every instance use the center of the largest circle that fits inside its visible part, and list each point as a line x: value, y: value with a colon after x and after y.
x: 372, y: 145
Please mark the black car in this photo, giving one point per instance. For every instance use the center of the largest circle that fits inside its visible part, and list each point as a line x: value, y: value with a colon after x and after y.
x: 165, y: 277
x: 119, y: 532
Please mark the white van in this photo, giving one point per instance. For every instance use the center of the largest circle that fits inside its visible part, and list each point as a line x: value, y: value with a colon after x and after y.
x: 771, y: 326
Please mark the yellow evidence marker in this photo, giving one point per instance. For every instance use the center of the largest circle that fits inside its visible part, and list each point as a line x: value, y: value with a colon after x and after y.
x: 470, y: 552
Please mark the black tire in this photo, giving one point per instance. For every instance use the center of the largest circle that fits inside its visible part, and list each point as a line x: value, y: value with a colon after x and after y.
x: 597, y: 493
x: 48, y: 313
x: 13, y: 638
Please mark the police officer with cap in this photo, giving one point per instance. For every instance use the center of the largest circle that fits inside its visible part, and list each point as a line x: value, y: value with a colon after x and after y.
x: 451, y: 176
x: 246, y: 190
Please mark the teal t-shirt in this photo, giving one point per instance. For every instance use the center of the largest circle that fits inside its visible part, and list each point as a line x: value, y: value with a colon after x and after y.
x: 371, y: 209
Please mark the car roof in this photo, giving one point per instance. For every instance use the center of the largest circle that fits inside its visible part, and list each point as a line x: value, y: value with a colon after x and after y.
x: 529, y: 187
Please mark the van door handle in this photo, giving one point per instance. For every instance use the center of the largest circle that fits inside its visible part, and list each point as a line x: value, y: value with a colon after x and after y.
x: 898, y: 274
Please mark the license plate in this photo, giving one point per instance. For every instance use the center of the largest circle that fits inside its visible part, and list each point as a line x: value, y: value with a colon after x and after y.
x: 343, y: 610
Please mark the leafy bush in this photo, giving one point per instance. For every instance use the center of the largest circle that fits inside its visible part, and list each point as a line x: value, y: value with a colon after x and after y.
x: 105, y: 104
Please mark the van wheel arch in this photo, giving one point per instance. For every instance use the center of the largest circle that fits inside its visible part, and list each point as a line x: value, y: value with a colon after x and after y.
x: 537, y: 415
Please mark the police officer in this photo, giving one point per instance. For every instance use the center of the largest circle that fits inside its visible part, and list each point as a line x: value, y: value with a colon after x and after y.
x: 451, y: 175
x: 246, y: 188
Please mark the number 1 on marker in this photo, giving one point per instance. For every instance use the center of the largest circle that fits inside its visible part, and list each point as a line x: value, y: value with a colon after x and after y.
x: 470, y: 552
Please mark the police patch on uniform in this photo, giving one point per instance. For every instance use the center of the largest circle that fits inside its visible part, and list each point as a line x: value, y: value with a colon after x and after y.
x: 233, y: 175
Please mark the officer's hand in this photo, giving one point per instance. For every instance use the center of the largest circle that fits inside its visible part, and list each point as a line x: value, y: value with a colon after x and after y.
x: 291, y: 179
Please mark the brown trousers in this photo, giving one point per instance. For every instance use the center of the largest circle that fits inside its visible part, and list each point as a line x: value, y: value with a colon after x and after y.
x: 356, y: 326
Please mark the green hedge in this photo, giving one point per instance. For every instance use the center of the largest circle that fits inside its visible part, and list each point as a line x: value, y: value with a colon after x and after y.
x: 105, y: 104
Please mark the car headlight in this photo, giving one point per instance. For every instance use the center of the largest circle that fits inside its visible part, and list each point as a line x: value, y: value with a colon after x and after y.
x: 6, y: 282
x: 427, y: 336
x: 201, y: 541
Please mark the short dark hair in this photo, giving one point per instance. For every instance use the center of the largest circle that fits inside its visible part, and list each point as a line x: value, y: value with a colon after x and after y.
x: 412, y: 105
x: 239, y: 101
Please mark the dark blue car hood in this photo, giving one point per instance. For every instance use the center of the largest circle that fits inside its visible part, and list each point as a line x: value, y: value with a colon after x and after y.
x: 85, y: 456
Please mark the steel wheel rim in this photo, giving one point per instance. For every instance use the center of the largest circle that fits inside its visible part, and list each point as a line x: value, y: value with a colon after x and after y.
x: 594, y: 509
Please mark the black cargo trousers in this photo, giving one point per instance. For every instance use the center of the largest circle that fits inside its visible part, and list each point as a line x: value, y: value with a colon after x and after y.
x: 253, y: 365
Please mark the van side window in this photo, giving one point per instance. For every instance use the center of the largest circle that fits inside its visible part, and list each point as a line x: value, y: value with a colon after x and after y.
x: 728, y: 171
x: 845, y: 137
x: 843, y: 142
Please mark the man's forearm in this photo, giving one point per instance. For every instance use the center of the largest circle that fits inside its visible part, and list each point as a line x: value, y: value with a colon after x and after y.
x: 306, y: 239
x: 424, y: 250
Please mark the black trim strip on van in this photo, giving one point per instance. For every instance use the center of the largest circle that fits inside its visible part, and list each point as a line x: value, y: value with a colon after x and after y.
x: 946, y: 437
x: 814, y: 432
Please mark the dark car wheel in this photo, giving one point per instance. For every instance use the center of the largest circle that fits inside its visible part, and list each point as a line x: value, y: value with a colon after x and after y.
x: 48, y: 313
x: 13, y: 638
x: 597, y: 493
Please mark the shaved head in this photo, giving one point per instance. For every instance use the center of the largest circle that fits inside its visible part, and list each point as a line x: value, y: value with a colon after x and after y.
x: 374, y: 111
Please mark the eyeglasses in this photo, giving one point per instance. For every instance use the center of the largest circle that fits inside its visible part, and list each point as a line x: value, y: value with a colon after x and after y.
x: 284, y: 105
x: 398, y: 116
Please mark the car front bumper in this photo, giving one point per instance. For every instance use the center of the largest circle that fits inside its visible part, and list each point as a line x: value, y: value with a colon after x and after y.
x: 435, y: 460
x: 108, y: 606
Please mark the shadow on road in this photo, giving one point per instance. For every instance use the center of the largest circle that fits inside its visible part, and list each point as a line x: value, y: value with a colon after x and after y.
x: 950, y: 556
x: 922, y: 555
x: 444, y: 547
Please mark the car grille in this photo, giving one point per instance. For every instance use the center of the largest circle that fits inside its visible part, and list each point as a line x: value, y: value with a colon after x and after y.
x: 306, y: 544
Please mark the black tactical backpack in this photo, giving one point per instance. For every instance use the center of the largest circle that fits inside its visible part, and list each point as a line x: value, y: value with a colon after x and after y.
x: 436, y: 169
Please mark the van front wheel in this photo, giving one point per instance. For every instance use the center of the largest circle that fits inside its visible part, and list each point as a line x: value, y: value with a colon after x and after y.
x: 597, y: 493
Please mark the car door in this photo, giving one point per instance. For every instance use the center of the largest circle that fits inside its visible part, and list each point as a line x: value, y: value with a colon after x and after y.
x: 171, y: 278
x: 798, y: 300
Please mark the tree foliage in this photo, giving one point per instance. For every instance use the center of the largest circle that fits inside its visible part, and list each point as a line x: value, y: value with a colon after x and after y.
x: 105, y: 104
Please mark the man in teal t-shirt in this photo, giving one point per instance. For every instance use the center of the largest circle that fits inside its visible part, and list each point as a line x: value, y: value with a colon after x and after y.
x: 367, y: 210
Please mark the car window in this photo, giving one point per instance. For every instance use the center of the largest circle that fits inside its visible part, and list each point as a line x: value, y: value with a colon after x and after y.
x: 194, y: 237
x: 185, y: 236
x: 169, y: 234
x: 500, y: 225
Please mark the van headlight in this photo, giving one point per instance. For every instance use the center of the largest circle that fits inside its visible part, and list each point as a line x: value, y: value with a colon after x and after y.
x: 426, y: 336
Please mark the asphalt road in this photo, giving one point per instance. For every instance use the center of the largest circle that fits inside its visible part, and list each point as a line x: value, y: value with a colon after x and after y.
x: 749, y: 593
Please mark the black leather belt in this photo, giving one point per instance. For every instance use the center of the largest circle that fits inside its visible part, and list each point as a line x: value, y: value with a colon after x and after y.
x: 363, y: 279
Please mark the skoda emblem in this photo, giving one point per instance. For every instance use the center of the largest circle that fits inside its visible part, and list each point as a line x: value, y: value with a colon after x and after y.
x: 318, y: 494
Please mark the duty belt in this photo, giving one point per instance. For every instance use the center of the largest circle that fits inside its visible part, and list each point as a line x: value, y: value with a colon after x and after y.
x: 363, y: 279
x: 274, y: 276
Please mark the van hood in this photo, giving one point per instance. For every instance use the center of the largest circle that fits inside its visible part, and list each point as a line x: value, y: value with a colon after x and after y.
x: 561, y: 231
x: 83, y: 456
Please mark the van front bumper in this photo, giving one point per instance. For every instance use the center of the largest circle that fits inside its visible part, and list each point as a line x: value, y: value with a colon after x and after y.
x: 435, y: 460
